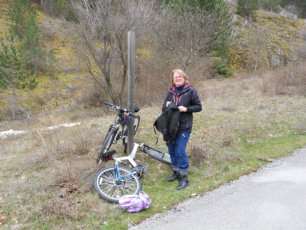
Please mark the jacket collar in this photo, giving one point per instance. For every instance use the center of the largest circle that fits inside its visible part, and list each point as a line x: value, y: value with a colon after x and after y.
x: 186, y: 88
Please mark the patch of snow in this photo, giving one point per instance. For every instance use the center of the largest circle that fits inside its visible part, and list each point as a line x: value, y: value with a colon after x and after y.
x: 62, y: 125
x: 10, y: 132
x: 5, y: 134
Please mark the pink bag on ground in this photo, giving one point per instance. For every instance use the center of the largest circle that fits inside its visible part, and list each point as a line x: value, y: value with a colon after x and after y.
x: 135, y: 203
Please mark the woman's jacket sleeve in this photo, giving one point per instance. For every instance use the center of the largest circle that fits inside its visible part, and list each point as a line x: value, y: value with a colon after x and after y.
x: 196, y: 105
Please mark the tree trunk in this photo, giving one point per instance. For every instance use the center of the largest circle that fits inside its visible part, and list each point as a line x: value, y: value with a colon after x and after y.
x: 13, y: 103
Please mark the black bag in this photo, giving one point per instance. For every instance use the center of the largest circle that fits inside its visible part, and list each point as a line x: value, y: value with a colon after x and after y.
x: 168, y: 122
x: 161, y: 123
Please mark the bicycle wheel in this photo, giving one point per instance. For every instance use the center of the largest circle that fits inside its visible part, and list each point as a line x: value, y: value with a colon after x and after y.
x: 136, y: 123
x: 110, y: 189
x: 107, y: 143
x: 157, y: 154
x: 125, y: 133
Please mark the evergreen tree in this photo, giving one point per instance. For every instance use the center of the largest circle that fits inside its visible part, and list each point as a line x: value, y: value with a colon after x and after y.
x: 13, y: 68
x: 23, y: 24
x: 30, y: 41
x: 19, y: 50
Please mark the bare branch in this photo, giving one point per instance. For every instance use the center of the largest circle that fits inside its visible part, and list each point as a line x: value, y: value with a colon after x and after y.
x: 103, y: 27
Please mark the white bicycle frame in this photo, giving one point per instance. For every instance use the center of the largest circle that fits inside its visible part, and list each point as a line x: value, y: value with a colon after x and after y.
x: 130, y: 158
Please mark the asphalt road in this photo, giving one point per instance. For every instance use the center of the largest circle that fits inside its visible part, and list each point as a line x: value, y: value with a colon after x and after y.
x: 272, y: 198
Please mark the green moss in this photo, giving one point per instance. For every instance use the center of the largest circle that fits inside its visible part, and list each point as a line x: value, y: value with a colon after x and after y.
x: 144, y: 52
x: 266, y: 41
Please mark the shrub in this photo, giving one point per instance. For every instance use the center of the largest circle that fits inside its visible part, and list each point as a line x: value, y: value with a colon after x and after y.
x: 246, y: 7
x: 219, y: 67
x: 300, y: 5
x: 224, y: 70
x: 57, y: 8
x: 92, y: 96
x: 217, y: 26
x: 289, y: 81
x: 271, y: 5
x: 198, y: 153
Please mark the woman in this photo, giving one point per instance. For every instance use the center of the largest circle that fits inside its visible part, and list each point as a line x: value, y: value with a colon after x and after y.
x: 186, y: 99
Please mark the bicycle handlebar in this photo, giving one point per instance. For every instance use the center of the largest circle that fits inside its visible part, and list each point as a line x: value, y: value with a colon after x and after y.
x: 116, y: 107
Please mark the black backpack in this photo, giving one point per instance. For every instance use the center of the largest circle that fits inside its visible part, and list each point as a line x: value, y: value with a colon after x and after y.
x: 167, y: 123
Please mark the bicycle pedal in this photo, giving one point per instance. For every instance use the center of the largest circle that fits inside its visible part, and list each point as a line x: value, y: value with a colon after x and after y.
x: 141, y: 169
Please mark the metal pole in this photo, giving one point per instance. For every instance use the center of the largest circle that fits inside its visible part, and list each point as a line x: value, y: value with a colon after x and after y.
x: 131, y: 86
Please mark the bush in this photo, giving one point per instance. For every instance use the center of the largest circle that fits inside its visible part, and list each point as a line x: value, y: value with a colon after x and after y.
x: 271, y: 5
x: 57, y: 8
x: 300, y: 5
x: 198, y: 153
x: 288, y: 81
x: 224, y: 70
x: 92, y: 96
x: 210, y: 22
x: 219, y: 67
x: 246, y: 7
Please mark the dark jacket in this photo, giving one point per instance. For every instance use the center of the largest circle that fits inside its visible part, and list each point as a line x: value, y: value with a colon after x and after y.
x: 187, y: 98
x: 168, y: 122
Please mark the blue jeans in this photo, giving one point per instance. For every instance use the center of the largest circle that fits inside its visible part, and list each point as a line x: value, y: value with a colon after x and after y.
x: 177, y: 150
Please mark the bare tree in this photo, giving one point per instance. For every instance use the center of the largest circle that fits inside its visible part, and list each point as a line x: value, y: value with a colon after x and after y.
x: 185, y: 36
x: 260, y: 43
x: 102, y: 28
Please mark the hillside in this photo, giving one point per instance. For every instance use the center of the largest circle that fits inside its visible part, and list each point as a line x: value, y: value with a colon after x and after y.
x: 55, y: 88
x: 247, y: 120
x: 46, y: 175
x: 267, y: 41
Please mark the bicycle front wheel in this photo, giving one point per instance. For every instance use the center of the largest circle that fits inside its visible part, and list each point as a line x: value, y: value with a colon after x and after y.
x: 107, y: 143
x: 125, y: 132
x: 111, y: 189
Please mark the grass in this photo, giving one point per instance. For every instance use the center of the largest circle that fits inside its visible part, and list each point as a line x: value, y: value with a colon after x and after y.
x: 45, y: 176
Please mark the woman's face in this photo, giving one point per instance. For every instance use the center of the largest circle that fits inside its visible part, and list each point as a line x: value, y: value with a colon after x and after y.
x: 178, y: 79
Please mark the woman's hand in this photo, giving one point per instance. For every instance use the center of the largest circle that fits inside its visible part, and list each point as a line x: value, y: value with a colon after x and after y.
x: 182, y: 109
x: 168, y: 103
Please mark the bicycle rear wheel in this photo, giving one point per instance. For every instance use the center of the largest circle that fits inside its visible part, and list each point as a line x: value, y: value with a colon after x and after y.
x: 111, y: 189
x: 157, y: 154
x: 107, y: 143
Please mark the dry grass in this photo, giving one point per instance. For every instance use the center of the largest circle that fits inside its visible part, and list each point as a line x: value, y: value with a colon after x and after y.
x: 46, y: 176
x: 92, y: 96
x: 57, y: 164
x: 289, y: 81
x: 197, y: 154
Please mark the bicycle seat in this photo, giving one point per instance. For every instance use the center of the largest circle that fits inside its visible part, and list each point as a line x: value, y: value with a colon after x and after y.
x: 136, y: 109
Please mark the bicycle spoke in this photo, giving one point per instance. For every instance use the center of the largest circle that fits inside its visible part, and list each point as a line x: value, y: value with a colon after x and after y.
x: 111, y: 188
x: 107, y: 189
x: 109, y: 178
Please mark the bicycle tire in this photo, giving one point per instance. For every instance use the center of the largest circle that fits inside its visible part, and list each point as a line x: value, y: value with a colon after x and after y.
x: 125, y: 132
x: 110, y: 189
x: 157, y: 154
x: 136, y: 124
x: 107, y: 143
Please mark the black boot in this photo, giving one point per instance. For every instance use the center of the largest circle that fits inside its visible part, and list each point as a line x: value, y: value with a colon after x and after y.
x: 173, y: 177
x: 183, y: 180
